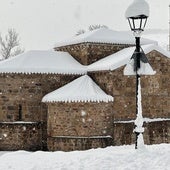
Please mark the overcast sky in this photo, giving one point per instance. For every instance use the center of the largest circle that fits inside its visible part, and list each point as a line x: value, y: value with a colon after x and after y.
x: 41, y: 23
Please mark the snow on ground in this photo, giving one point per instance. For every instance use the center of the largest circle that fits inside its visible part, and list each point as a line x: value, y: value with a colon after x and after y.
x: 155, y: 157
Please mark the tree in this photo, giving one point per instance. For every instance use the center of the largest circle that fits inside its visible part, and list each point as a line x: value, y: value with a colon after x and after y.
x: 94, y: 27
x: 80, y: 32
x: 10, y: 45
x: 91, y: 28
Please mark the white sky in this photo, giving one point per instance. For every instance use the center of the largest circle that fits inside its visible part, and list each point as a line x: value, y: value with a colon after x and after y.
x: 41, y: 23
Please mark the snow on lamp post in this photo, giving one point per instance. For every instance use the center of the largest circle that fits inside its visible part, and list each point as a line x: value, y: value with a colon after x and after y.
x: 137, y: 14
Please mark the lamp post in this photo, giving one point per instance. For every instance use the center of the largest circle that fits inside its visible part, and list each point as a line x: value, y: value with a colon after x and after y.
x: 137, y: 15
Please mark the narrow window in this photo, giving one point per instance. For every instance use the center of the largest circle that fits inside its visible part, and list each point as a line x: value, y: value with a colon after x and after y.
x: 20, y: 112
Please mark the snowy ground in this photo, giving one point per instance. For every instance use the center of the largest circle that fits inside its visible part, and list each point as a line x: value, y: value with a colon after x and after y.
x: 153, y: 157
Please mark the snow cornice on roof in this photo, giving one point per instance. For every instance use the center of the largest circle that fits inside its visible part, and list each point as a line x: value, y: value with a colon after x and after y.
x: 83, y: 89
x: 104, y: 36
x: 122, y: 57
x: 42, y: 62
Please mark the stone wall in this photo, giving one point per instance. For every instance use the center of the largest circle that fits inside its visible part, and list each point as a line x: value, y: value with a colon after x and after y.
x: 155, y: 133
x: 78, y: 143
x: 122, y: 88
x: 20, y: 136
x: 87, y: 53
x: 21, y: 95
x: 155, y: 90
x: 79, y: 120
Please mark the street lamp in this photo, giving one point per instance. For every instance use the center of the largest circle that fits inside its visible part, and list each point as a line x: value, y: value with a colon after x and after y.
x: 137, y: 15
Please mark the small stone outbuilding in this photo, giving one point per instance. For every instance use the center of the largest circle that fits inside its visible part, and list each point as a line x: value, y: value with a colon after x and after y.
x: 80, y: 116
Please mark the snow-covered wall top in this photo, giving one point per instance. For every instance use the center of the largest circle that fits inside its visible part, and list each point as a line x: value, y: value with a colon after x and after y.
x: 83, y: 89
x: 122, y: 57
x: 47, y: 62
x: 104, y: 35
x: 138, y: 7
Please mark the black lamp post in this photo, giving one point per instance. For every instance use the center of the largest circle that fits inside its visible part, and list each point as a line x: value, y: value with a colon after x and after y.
x: 137, y: 15
x: 137, y: 25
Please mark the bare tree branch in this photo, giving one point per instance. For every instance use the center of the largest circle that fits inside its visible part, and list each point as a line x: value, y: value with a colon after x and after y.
x: 94, y: 27
x: 80, y: 32
x: 17, y: 51
x: 10, y: 45
x: 91, y: 28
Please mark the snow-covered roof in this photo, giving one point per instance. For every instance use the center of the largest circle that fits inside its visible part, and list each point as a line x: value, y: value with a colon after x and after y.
x: 122, y: 57
x: 138, y: 7
x: 47, y: 62
x: 104, y: 35
x: 83, y: 89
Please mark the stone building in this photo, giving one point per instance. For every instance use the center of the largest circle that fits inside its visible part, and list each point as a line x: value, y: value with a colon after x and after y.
x: 79, y: 112
x: 46, y: 103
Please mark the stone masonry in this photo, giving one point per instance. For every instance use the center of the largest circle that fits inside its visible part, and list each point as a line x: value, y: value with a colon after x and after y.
x: 70, y: 126
x: 20, y: 101
x: 78, y: 143
x: 87, y: 53
x: 22, y: 94
x: 155, y: 132
x: 155, y: 90
x: 70, y: 123
x: 21, y: 136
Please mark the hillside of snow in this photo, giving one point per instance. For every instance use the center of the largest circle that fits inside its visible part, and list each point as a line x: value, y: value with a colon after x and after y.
x: 153, y: 157
x: 161, y: 36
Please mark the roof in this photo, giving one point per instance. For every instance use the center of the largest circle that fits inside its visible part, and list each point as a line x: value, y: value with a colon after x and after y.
x: 104, y: 35
x: 83, y: 89
x: 122, y: 57
x: 48, y: 62
x: 53, y: 62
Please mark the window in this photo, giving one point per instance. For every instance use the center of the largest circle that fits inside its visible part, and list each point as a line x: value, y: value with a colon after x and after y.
x: 20, y: 112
